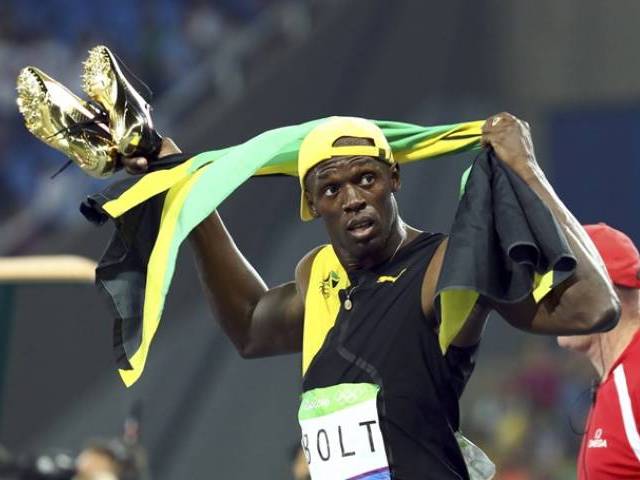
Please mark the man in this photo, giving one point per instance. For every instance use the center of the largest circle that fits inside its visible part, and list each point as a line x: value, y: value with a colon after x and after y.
x: 299, y: 466
x: 111, y: 460
x: 611, y: 444
x: 381, y: 362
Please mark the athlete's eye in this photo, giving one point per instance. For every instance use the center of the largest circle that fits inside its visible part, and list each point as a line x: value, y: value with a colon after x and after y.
x: 330, y: 190
x: 367, y: 179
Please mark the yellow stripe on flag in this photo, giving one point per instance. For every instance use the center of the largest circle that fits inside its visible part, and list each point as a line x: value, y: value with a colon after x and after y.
x: 149, y: 185
x: 288, y: 168
x: 156, y: 274
x: 463, y: 136
x: 455, y: 308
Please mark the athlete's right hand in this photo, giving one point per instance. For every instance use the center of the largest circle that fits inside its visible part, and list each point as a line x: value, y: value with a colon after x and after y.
x: 138, y: 165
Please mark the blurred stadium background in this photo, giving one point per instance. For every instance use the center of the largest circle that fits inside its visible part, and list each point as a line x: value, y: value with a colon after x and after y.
x: 224, y: 70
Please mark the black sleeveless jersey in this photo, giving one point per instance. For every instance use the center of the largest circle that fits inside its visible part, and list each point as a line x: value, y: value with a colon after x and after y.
x: 385, y: 339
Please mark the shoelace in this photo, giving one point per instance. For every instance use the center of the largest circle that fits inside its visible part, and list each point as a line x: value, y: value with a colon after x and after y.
x: 72, y: 130
x: 137, y: 80
x: 79, y: 126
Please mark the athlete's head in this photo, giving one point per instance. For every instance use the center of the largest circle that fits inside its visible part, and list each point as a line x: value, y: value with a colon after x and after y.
x: 622, y: 261
x: 348, y: 178
x: 111, y: 460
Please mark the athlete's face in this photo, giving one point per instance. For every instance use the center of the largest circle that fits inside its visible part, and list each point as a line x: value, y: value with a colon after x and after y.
x: 93, y: 465
x: 354, y: 197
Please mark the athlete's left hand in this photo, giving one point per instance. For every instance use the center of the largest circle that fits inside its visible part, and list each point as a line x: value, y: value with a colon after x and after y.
x: 511, y: 140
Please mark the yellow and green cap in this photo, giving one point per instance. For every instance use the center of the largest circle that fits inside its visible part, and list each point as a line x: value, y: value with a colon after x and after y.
x: 318, y: 146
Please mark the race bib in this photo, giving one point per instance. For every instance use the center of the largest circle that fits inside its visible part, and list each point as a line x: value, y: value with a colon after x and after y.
x: 341, y: 435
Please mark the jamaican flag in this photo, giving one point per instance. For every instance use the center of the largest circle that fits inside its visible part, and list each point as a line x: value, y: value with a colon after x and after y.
x: 504, y: 246
x: 155, y: 213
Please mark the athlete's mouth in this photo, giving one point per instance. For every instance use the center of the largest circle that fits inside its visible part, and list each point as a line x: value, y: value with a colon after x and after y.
x: 359, y: 224
x: 361, y: 229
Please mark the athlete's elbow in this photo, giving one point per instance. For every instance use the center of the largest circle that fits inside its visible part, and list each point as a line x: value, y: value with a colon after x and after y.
x: 252, y: 348
x: 249, y: 352
x: 601, y: 318
x: 247, y: 348
x: 608, y: 318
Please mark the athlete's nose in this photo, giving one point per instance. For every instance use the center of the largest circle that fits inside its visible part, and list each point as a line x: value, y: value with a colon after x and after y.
x: 353, y: 201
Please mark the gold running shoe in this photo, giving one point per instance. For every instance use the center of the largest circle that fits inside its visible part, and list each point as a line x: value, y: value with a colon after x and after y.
x: 65, y: 122
x: 130, y: 120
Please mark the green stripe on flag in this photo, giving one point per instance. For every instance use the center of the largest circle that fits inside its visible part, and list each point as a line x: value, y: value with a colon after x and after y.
x: 202, y: 183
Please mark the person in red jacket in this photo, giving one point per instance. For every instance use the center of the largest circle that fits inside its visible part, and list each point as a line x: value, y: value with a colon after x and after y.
x: 611, y: 442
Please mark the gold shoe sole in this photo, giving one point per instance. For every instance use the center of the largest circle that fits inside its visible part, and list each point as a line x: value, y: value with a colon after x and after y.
x: 130, y: 120
x: 65, y: 122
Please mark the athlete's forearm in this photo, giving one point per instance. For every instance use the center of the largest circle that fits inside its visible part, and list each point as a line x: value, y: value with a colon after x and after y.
x: 589, y: 303
x: 232, y: 286
x: 251, y: 315
x: 582, y: 304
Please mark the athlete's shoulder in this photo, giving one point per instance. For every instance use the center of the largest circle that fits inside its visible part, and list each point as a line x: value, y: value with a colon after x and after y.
x: 432, y: 272
x: 437, y: 259
x: 303, y: 269
x: 306, y: 261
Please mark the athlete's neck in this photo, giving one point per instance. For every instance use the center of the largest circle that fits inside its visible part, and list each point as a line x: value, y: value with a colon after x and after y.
x: 400, y: 235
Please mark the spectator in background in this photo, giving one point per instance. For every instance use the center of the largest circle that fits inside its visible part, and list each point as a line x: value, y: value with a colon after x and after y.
x: 111, y: 460
x: 299, y: 466
x: 528, y: 435
x: 163, y: 38
x: 611, y: 443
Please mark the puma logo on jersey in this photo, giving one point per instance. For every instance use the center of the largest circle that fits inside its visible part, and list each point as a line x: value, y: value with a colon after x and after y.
x: 389, y: 278
x: 329, y: 283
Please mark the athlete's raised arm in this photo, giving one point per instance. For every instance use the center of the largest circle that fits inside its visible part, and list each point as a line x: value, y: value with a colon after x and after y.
x: 586, y: 302
x: 260, y: 321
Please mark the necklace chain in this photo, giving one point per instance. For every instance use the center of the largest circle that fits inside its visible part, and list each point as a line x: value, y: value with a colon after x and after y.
x: 348, y: 303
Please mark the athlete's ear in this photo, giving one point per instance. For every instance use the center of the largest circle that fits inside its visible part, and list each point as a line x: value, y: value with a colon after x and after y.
x: 395, y: 177
x: 310, y: 204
